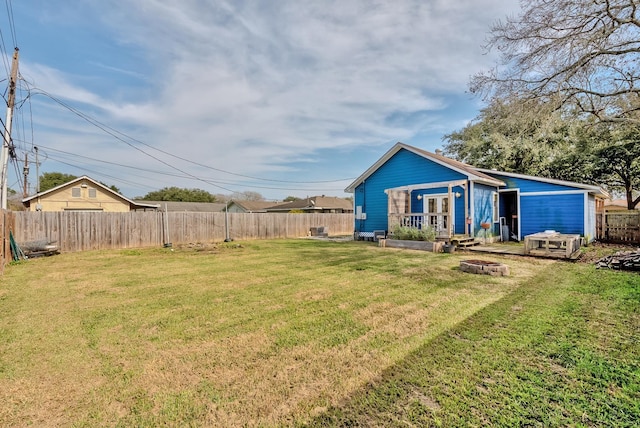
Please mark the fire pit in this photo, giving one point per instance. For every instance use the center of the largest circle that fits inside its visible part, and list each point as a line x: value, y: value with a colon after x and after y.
x: 484, y: 267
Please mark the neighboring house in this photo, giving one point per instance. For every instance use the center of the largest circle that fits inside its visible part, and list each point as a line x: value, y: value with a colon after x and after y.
x: 617, y: 205
x: 315, y: 204
x: 251, y: 206
x: 175, y: 206
x: 81, y: 194
x: 414, y: 187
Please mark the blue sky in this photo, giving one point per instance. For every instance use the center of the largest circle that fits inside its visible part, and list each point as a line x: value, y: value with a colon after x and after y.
x: 279, y: 97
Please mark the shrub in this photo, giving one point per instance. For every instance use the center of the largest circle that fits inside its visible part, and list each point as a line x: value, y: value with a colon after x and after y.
x: 413, y: 234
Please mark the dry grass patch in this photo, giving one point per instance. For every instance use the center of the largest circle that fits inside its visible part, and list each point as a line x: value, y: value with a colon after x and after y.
x: 262, y: 333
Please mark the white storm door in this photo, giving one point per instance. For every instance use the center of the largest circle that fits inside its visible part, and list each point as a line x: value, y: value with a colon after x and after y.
x: 436, y: 208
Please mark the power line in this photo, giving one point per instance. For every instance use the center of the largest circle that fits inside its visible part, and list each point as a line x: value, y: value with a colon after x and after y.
x: 205, y: 179
x: 12, y: 25
x: 112, y: 131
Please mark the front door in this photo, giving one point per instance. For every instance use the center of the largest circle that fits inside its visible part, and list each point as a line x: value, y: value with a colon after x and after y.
x: 436, y: 208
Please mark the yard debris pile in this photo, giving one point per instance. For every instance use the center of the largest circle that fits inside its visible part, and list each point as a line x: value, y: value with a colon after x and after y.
x: 39, y: 248
x: 621, y: 260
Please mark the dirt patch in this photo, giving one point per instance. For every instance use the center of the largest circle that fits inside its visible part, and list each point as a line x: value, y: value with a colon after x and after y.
x: 597, y: 250
x: 205, y: 247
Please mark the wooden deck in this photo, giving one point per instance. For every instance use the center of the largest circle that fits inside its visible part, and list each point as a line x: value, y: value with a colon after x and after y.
x: 516, y: 250
x: 508, y: 249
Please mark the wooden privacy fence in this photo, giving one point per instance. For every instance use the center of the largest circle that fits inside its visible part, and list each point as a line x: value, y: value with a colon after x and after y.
x: 78, y: 231
x: 619, y: 227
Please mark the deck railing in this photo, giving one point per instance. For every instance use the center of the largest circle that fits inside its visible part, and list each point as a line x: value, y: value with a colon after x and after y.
x: 419, y: 221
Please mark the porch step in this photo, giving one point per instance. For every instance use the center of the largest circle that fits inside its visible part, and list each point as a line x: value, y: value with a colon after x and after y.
x: 464, y: 241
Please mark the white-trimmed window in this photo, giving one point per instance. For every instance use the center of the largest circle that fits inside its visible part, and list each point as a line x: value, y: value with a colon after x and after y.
x: 76, y: 192
x: 93, y: 193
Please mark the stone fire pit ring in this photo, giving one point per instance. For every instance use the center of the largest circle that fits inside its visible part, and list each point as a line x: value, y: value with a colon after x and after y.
x: 484, y: 267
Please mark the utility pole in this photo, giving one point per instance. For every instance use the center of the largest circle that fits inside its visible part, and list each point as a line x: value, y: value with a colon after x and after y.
x: 11, y: 100
x: 37, y: 171
x: 25, y: 172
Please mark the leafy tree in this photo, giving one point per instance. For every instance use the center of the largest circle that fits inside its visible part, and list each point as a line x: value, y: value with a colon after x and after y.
x: 49, y: 180
x: 179, y: 195
x: 112, y: 187
x: 569, y: 52
x: 556, y: 144
x: 512, y: 135
x: 618, y: 164
x: 290, y: 199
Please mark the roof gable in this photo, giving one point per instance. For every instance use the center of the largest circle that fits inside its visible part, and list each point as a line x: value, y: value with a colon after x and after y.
x: 467, y: 170
x: 78, y: 180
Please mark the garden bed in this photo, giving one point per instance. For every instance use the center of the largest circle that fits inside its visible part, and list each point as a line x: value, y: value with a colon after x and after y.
x: 435, y: 247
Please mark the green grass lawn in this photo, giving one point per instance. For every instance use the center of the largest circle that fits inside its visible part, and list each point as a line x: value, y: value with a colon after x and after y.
x: 306, y: 332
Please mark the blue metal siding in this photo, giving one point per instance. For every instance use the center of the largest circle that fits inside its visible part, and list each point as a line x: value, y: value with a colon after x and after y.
x: 530, y: 185
x: 402, y: 169
x: 562, y: 213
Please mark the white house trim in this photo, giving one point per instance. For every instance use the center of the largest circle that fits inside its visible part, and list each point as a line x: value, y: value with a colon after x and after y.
x: 560, y: 192
x: 425, y: 186
x: 596, y: 189
x: 469, y: 172
x: 585, y: 220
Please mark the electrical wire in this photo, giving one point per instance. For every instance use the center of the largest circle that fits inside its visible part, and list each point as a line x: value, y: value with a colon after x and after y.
x: 12, y: 25
x: 136, y: 168
x: 122, y: 136
x: 106, y: 129
x: 5, y: 58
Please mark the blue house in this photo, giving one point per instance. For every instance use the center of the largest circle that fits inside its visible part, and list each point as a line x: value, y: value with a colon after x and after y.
x: 412, y: 187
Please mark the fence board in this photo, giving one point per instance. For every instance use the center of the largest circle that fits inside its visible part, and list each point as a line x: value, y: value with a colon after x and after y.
x: 619, y: 227
x: 78, y: 231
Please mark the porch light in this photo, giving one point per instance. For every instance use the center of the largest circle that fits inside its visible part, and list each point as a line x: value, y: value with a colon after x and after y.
x: 419, y: 197
x: 458, y: 194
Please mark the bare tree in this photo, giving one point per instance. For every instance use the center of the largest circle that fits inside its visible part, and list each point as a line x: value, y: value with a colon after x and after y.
x: 569, y: 52
x: 247, y: 195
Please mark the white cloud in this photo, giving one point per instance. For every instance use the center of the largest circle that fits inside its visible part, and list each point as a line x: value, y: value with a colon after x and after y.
x: 250, y: 86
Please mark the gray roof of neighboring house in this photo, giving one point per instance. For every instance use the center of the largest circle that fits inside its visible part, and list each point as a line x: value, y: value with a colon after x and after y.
x: 315, y: 203
x: 255, y: 206
x: 175, y: 206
